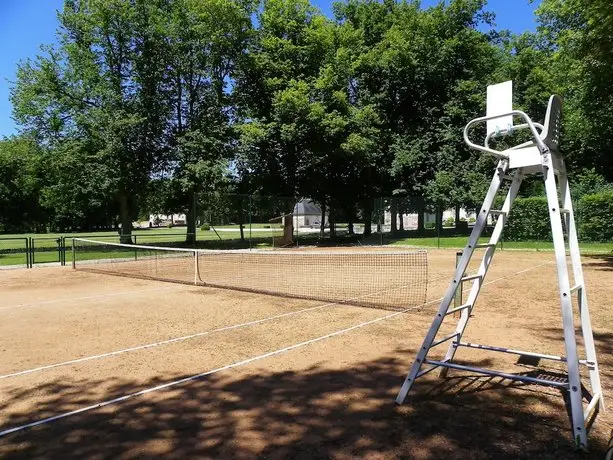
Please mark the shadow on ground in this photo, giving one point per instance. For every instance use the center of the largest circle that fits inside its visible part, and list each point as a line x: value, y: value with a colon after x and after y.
x: 599, y: 262
x: 315, y: 413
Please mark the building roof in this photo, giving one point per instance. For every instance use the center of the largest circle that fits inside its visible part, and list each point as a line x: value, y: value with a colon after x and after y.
x: 306, y: 207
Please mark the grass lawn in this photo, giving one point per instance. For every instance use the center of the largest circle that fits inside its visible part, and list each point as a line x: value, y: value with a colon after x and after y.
x: 13, y: 247
x: 458, y: 242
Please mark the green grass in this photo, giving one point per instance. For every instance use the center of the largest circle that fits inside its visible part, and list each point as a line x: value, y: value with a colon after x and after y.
x: 458, y: 242
x: 12, y: 251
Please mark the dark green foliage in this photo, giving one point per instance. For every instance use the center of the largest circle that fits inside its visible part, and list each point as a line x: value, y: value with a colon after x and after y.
x: 595, y: 214
x: 144, y: 104
x: 529, y: 220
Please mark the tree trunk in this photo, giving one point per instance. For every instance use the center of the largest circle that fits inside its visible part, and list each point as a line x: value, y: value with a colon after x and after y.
x: 332, y: 222
x: 394, y: 213
x: 367, y: 212
x: 350, y: 229
x: 125, y: 218
x: 457, y: 216
x: 190, y: 237
x: 322, y: 223
x: 401, y: 221
x: 439, y: 218
x: 241, y: 222
x: 420, y: 218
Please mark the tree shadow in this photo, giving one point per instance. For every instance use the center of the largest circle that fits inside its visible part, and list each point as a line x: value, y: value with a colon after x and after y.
x: 315, y: 413
x: 598, y: 262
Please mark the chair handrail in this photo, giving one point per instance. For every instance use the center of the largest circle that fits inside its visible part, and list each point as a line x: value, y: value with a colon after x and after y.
x: 497, y: 153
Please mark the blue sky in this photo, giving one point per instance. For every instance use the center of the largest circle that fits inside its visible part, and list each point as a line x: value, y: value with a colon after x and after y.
x: 27, y: 24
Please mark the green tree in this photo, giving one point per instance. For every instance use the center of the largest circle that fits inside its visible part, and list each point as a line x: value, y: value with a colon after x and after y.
x: 578, y: 36
x: 102, y: 86
x: 20, y: 185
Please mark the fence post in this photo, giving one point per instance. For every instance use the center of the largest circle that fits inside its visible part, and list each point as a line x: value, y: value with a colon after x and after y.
x: 32, y: 252
x: 74, y: 256
x: 250, y: 211
x: 457, y: 300
x: 27, y: 252
x: 381, y: 220
x: 195, y: 221
x: 439, y: 223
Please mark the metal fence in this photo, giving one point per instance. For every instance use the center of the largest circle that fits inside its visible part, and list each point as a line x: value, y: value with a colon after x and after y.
x: 231, y: 221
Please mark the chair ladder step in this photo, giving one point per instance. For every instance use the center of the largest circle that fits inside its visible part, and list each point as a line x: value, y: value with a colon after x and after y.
x: 504, y: 375
x: 444, y: 339
x: 471, y: 277
x: 498, y: 211
x: 485, y: 245
x: 460, y: 308
x: 576, y: 288
x: 591, y: 406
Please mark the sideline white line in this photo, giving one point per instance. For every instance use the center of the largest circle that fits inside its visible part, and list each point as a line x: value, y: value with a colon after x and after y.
x: 192, y: 336
x: 232, y: 365
x: 97, y: 296
x: 166, y: 342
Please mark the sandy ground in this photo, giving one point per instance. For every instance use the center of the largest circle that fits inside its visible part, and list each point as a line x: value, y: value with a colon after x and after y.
x: 292, y: 385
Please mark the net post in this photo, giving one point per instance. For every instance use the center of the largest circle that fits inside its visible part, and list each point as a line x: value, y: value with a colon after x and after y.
x: 27, y: 252
x: 196, y: 268
x: 457, y: 300
x: 74, y: 256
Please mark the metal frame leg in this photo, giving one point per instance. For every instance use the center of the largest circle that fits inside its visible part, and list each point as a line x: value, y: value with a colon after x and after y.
x: 572, y: 359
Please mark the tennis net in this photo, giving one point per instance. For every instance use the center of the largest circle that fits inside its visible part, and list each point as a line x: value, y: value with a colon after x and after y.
x: 372, y: 278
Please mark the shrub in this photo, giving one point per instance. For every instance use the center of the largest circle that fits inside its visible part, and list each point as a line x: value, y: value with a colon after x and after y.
x: 595, y: 217
x: 529, y: 220
x: 205, y: 227
x: 449, y: 222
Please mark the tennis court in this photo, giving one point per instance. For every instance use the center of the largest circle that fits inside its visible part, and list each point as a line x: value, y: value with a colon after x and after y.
x: 134, y: 367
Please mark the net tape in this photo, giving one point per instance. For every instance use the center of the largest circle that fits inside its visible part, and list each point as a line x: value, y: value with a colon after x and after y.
x: 380, y: 279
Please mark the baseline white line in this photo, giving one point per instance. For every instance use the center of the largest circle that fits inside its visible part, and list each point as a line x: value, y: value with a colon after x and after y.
x: 97, y: 296
x: 229, y: 366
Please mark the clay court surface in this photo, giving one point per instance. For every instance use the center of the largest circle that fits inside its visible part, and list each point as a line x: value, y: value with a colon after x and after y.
x: 287, y: 378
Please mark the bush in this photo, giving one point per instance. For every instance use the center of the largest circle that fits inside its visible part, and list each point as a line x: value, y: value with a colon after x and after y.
x: 529, y: 220
x: 449, y: 222
x: 430, y: 225
x: 205, y: 227
x: 595, y: 217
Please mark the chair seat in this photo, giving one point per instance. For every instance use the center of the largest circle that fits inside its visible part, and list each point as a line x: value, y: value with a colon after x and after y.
x: 523, y: 157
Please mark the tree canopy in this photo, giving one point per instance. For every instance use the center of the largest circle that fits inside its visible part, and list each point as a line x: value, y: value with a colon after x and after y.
x: 144, y: 103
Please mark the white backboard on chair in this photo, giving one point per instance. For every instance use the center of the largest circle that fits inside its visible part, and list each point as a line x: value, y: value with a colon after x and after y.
x: 499, y: 101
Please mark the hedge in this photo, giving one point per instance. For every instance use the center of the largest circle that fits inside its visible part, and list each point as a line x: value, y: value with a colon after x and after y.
x: 595, y: 217
x: 528, y: 220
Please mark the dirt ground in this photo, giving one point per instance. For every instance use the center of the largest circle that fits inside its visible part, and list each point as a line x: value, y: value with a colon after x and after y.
x: 285, y: 378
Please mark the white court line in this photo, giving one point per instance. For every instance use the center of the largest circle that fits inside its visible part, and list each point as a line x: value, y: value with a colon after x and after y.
x: 232, y: 365
x: 165, y: 342
x: 191, y: 336
x: 97, y: 296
